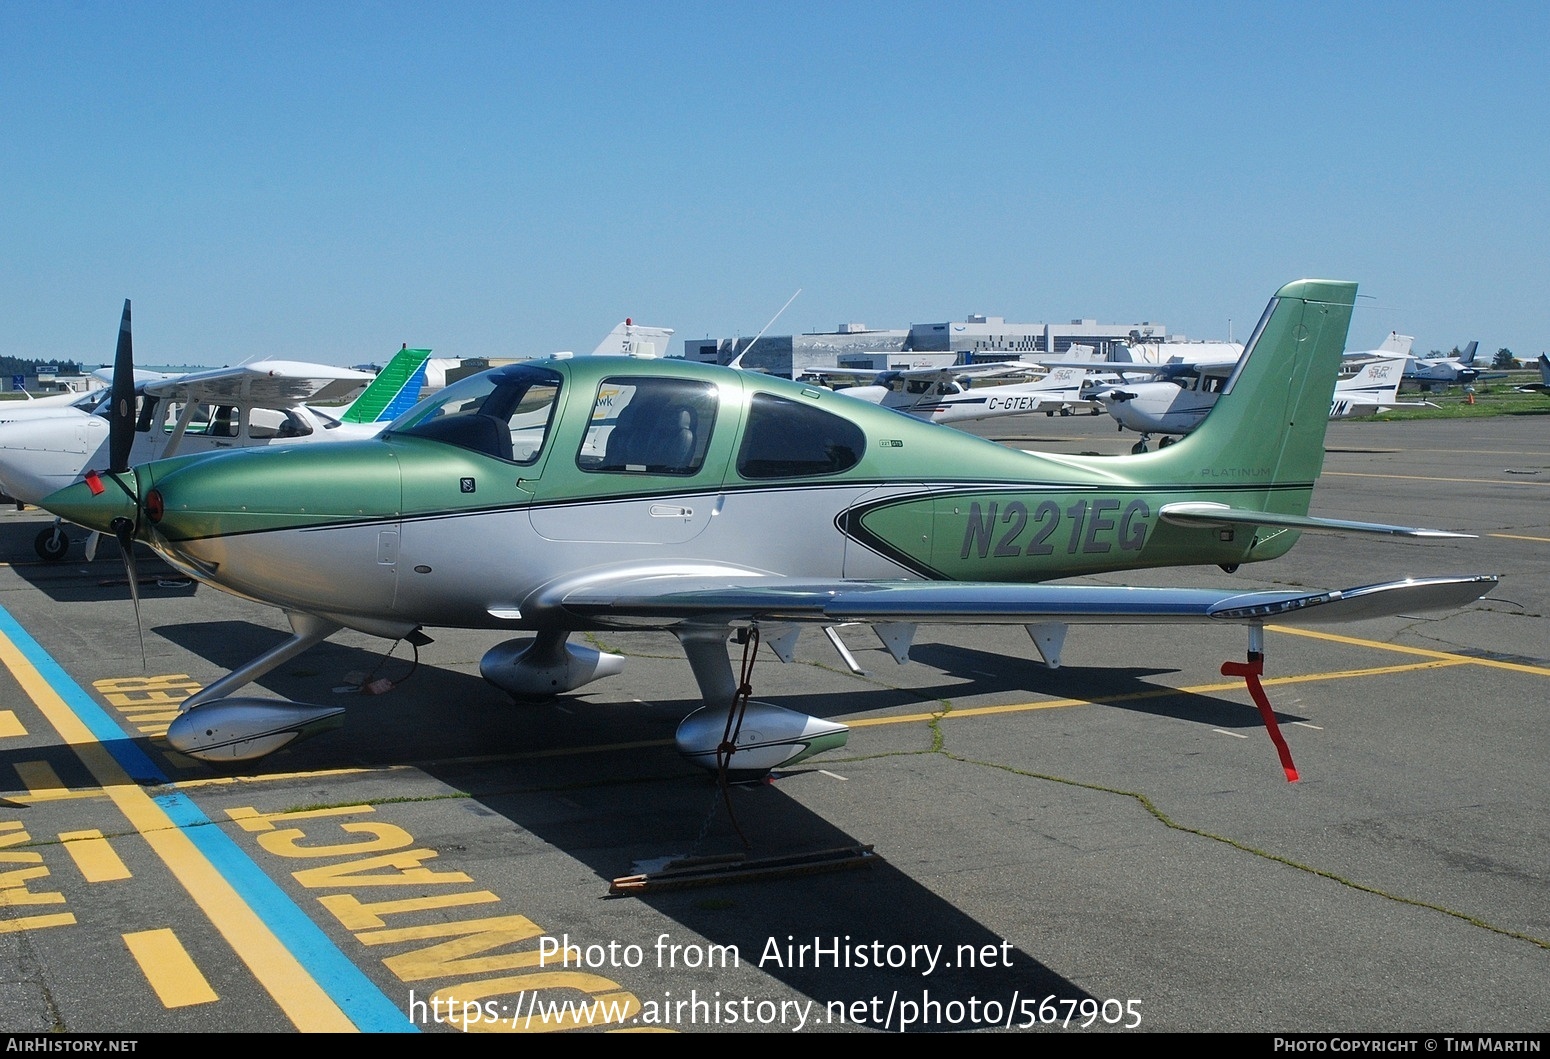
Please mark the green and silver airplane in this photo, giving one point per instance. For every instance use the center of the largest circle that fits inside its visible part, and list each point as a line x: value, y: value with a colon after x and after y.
x: 559, y: 496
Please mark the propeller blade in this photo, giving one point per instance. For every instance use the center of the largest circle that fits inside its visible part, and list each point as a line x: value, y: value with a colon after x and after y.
x: 121, y: 413
x: 124, y: 530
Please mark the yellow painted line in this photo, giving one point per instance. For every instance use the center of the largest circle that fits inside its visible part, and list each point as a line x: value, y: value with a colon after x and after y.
x: 17, y: 926
x: 39, y: 778
x: 94, y: 856
x: 271, y: 777
x: 1158, y: 693
x: 1448, y: 656
x: 10, y: 724
x: 169, y: 968
x: 44, y: 785
x: 304, y: 1001
x: 1517, y: 537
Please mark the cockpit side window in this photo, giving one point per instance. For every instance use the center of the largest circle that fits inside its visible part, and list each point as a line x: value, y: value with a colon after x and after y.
x: 786, y: 439
x: 649, y: 426
x: 505, y: 413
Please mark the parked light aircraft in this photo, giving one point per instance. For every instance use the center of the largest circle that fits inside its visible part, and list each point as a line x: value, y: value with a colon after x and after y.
x: 258, y: 403
x: 595, y: 493
x: 1373, y: 389
x: 1543, y: 385
x: 89, y: 400
x: 939, y: 394
x: 1445, y: 371
x: 38, y: 407
x: 1175, y: 408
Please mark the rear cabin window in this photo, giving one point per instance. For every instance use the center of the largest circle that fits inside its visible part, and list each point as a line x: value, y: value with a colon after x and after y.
x: 649, y: 426
x: 787, y: 439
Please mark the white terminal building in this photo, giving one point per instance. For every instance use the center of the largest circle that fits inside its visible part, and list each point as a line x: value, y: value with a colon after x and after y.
x: 975, y: 339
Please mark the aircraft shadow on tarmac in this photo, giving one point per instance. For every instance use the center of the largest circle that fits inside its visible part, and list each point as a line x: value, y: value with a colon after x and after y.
x: 1112, y: 687
x: 634, y: 801
x: 73, y: 579
x: 439, y: 713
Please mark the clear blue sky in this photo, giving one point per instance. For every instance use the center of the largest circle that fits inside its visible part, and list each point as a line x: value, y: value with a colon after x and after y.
x: 327, y: 181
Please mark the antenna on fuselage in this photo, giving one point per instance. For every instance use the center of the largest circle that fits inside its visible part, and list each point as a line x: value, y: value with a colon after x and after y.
x: 766, y: 327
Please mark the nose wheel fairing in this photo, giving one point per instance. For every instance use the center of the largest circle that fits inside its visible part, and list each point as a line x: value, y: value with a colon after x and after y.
x: 244, y: 729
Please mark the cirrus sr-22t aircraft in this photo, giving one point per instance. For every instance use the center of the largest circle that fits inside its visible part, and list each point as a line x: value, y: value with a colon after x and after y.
x: 559, y: 496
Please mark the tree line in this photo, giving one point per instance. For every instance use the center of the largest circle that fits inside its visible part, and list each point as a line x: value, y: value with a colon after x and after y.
x: 17, y: 366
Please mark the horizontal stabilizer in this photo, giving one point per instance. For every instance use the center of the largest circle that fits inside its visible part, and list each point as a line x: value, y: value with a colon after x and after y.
x: 1206, y: 514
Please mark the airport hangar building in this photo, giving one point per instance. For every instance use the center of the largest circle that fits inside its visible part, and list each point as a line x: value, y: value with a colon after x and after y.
x: 976, y: 339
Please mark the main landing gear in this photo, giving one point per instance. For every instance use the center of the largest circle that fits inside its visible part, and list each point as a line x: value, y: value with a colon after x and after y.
x: 1140, y: 446
x: 51, y: 544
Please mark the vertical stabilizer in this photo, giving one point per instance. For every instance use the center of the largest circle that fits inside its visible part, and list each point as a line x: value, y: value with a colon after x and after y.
x: 630, y: 339
x: 1265, y: 434
x: 395, y: 389
x: 1397, y: 343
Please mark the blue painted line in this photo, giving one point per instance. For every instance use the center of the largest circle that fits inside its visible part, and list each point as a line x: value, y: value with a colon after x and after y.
x: 357, y: 995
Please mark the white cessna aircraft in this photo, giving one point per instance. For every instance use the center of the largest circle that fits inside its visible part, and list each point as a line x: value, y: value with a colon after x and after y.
x: 1174, y: 408
x: 89, y: 400
x: 263, y: 402
x: 1444, y: 371
x: 259, y: 403
x: 941, y: 396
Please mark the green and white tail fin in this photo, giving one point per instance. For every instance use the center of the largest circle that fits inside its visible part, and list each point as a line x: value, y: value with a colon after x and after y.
x: 395, y: 389
x: 1262, y: 444
x: 1266, y: 431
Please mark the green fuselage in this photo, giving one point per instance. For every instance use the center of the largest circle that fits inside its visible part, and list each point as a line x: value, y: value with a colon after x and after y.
x: 468, y: 506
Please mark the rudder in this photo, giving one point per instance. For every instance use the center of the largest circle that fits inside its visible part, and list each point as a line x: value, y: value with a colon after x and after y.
x: 1267, y: 428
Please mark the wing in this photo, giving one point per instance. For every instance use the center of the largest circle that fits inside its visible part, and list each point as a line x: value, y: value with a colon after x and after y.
x: 663, y: 597
x: 263, y: 384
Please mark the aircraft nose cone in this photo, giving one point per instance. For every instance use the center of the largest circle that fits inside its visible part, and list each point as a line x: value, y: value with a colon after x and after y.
x: 95, y: 502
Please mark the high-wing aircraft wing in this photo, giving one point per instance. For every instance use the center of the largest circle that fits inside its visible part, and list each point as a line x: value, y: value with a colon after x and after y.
x: 939, y: 373
x: 258, y: 403
x: 263, y: 384
x: 560, y: 496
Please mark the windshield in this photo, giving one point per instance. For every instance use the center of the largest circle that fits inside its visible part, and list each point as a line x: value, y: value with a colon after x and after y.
x: 504, y: 412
